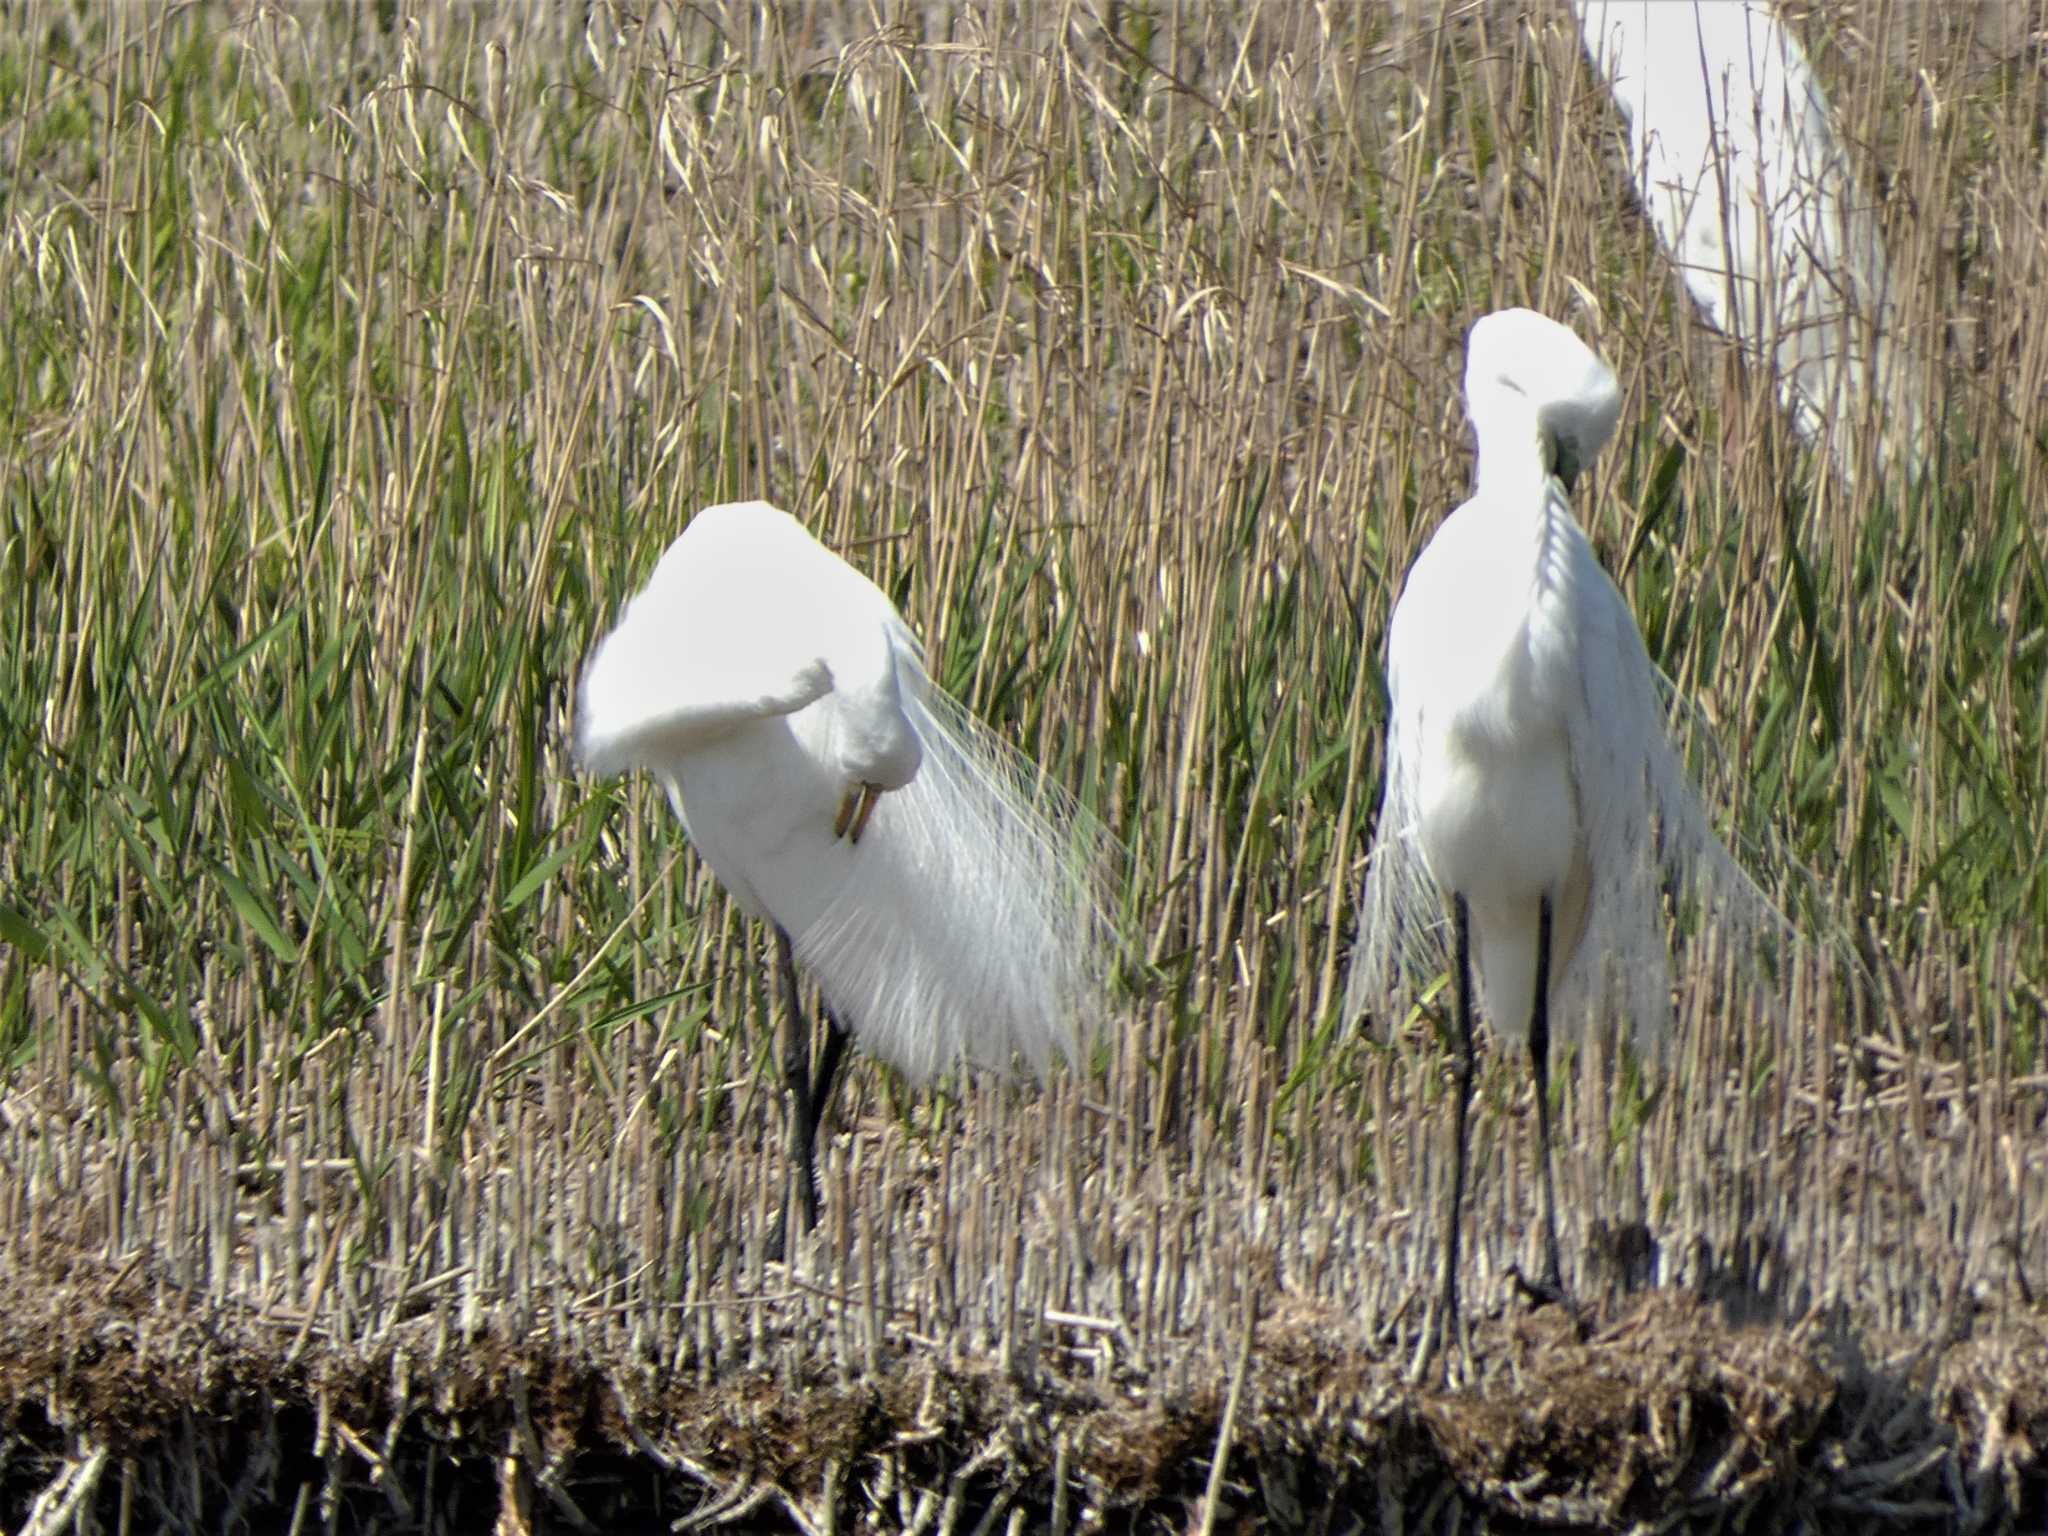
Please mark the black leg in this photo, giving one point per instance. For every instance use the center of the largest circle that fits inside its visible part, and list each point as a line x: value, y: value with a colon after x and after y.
x: 796, y: 1074
x: 826, y: 1075
x: 1550, y: 1287
x: 1443, y: 1328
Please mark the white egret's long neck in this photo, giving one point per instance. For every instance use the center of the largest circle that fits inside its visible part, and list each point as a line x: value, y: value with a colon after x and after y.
x: 1516, y: 458
x: 1531, y: 527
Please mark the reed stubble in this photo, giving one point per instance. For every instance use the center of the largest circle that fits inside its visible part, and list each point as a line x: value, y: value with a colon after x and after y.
x: 383, y: 1091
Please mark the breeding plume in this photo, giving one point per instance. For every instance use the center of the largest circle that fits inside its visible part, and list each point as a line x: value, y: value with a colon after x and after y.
x: 1530, y: 786
x: 947, y: 900
x: 1756, y: 201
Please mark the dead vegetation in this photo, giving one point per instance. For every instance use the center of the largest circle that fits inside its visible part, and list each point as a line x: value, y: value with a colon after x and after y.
x: 389, y: 1140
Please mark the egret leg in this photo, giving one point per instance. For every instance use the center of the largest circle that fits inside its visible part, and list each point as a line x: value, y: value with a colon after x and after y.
x: 825, y: 1075
x: 1444, y: 1326
x: 1550, y: 1286
x: 808, y: 1094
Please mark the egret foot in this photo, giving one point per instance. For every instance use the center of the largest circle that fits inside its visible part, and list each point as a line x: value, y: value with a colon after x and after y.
x: 1543, y: 1291
x: 1547, y: 1291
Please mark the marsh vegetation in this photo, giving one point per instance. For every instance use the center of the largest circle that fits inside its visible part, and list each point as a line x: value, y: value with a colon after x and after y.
x: 391, y: 1135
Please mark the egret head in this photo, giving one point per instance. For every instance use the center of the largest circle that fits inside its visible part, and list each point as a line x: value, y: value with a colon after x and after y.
x: 1521, y: 365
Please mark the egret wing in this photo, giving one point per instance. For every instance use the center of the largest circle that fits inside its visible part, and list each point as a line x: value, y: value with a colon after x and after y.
x: 716, y: 640
x: 982, y: 926
x: 1755, y: 198
x: 1403, y: 935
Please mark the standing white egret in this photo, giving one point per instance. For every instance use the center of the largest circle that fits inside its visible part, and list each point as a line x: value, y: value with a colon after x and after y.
x: 1755, y: 199
x: 947, y: 900
x: 1530, y: 785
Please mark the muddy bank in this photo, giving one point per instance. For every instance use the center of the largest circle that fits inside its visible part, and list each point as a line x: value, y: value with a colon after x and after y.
x: 132, y: 1405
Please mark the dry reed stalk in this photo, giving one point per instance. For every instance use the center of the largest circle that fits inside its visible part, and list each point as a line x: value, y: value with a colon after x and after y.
x: 357, y: 371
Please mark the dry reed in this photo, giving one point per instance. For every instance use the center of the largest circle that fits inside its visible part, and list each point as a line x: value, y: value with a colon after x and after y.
x: 390, y: 1135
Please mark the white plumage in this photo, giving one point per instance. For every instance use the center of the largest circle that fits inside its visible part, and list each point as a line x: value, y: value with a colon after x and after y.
x: 1526, y: 746
x: 1755, y: 198
x: 1527, y: 761
x: 771, y: 688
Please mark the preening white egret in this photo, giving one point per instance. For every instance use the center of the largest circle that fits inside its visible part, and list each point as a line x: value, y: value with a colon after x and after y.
x: 948, y: 900
x: 1755, y: 199
x: 1530, y: 785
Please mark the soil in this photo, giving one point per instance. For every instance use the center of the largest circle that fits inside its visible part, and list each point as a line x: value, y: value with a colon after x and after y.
x: 135, y: 1405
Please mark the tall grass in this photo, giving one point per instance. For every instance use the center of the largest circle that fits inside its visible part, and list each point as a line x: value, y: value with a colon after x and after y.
x: 358, y: 364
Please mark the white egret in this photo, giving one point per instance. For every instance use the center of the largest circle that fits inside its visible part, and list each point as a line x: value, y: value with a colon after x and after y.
x: 948, y: 901
x: 1755, y: 198
x: 1530, y: 785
